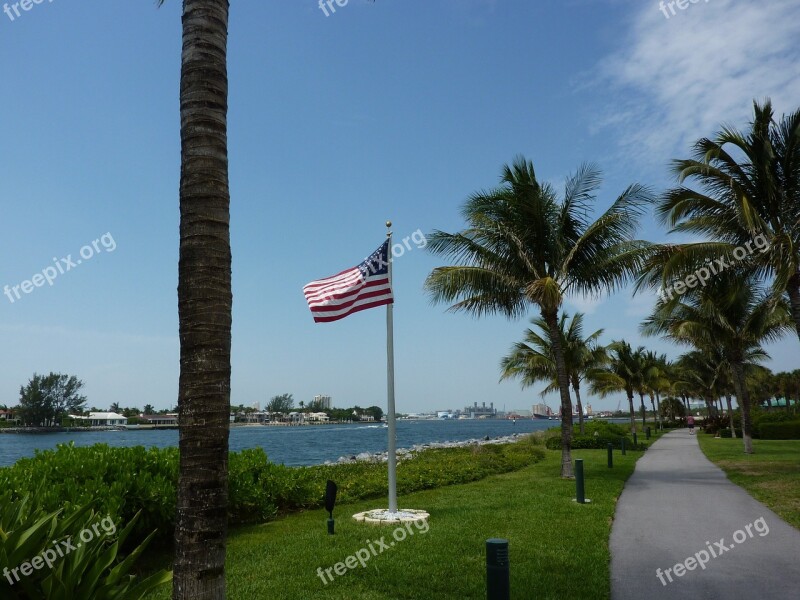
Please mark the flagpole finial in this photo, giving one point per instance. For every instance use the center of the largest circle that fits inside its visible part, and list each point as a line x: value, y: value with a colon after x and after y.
x: 388, y: 224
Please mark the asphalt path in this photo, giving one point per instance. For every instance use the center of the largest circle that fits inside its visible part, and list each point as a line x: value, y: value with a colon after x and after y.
x: 678, y: 511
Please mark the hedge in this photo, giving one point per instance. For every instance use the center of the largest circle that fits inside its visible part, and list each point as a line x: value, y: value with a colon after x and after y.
x: 787, y: 430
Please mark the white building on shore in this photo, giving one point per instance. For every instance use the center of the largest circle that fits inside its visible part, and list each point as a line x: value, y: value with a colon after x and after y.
x: 103, y: 419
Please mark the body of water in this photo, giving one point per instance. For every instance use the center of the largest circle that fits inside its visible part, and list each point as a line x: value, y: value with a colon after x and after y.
x: 308, y: 445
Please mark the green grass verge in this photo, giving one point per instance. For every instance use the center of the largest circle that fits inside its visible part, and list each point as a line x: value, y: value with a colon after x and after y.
x: 771, y: 474
x: 558, y: 549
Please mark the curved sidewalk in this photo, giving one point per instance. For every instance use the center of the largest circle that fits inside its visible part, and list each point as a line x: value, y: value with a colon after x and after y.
x: 678, y: 507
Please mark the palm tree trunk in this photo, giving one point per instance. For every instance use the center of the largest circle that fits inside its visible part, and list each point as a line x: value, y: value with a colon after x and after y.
x: 577, y: 387
x: 633, y: 411
x: 551, y: 318
x: 658, y: 411
x: 743, y: 396
x: 644, y: 410
x: 655, y: 414
x: 730, y: 413
x: 793, y: 288
x: 204, y: 306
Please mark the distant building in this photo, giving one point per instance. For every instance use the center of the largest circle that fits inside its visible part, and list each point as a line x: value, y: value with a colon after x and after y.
x: 103, y: 419
x: 482, y: 411
x: 541, y: 409
x: 323, y: 401
x: 160, y: 420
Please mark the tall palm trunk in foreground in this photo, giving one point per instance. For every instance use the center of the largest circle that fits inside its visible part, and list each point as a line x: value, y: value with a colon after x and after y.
x: 204, y: 305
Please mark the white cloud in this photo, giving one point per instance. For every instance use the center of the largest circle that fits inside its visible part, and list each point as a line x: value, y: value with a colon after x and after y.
x: 678, y: 79
x: 584, y: 304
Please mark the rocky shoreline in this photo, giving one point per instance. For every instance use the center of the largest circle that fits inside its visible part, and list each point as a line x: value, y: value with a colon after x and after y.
x: 408, y: 453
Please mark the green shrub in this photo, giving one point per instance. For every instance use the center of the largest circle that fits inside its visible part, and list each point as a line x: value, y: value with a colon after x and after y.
x: 89, y: 568
x: 786, y: 430
x: 591, y: 442
x: 124, y: 482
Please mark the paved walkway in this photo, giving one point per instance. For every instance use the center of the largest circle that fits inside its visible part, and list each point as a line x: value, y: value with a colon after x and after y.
x: 678, y: 505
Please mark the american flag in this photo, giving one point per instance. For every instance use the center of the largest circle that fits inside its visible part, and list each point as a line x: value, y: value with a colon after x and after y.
x: 362, y: 287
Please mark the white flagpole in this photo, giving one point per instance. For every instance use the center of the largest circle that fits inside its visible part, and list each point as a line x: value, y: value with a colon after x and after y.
x: 390, y: 417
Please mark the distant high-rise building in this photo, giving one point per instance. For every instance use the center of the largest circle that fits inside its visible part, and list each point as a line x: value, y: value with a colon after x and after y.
x: 324, y: 401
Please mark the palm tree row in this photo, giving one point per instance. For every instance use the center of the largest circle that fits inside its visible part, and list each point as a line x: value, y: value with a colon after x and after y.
x: 746, y: 194
x: 525, y: 247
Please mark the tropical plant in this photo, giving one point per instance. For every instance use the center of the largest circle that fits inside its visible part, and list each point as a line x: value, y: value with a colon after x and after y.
x: 46, y: 399
x: 672, y: 409
x: 749, y: 194
x: 280, y: 404
x: 90, y: 568
x: 532, y: 360
x: 624, y: 372
x: 732, y: 317
x: 523, y: 248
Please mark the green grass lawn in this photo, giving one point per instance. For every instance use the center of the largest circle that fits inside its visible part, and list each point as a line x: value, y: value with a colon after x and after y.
x: 771, y: 474
x: 558, y: 549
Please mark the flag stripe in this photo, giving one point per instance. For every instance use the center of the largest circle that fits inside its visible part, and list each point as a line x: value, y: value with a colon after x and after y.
x: 324, y: 300
x: 355, y: 309
x: 381, y: 291
x: 352, y: 290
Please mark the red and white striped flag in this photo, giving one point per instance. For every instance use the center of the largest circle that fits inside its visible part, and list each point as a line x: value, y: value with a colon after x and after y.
x: 364, y: 286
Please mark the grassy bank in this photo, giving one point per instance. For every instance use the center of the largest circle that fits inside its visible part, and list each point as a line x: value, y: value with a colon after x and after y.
x: 771, y: 475
x: 558, y: 549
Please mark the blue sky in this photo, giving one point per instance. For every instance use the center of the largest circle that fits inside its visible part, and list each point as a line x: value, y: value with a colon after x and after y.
x: 393, y: 110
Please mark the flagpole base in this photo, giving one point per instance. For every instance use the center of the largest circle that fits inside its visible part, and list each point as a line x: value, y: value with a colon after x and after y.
x: 382, y: 516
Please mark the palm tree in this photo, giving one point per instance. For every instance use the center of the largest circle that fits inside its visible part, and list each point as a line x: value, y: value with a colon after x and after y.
x: 524, y: 247
x: 656, y: 379
x: 623, y: 373
x: 114, y: 408
x: 700, y: 373
x: 148, y: 409
x: 749, y: 194
x: 204, y: 305
x: 533, y: 360
x: 731, y: 315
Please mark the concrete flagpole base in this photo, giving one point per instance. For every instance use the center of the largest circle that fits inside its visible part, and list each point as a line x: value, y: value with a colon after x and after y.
x: 382, y: 516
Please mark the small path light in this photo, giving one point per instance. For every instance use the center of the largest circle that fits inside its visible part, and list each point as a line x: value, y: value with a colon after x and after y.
x: 623, y: 446
x: 635, y: 442
x: 580, y: 495
x: 330, y: 500
x: 610, y: 455
x: 498, y: 571
x: 647, y: 433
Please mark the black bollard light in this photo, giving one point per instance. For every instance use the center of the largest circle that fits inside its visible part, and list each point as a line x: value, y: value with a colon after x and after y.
x: 610, y: 456
x: 498, y: 570
x: 580, y: 495
x: 623, y: 446
x: 634, y: 440
x: 647, y: 434
x: 330, y: 501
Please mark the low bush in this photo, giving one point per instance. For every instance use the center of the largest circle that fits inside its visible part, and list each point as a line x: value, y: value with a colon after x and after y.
x: 591, y: 442
x: 786, y: 430
x: 124, y: 482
